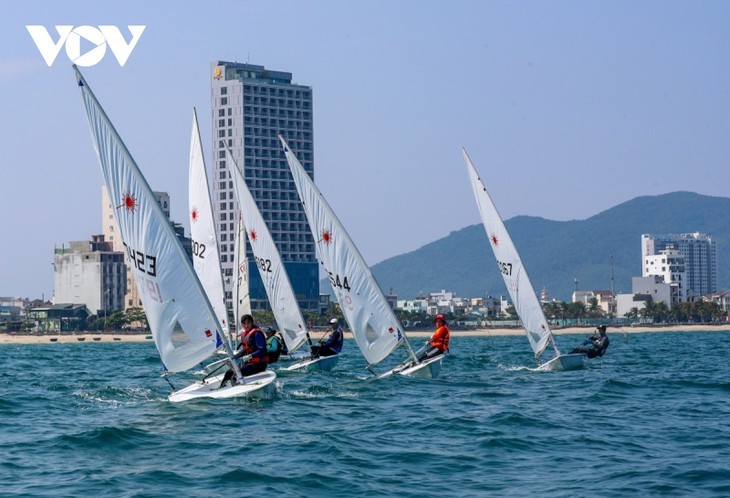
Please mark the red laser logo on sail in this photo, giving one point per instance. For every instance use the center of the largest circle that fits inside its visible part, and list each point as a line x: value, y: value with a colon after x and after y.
x: 129, y: 202
x: 194, y: 214
x: 326, y: 237
x: 253, y: 235
x: 494, y: 240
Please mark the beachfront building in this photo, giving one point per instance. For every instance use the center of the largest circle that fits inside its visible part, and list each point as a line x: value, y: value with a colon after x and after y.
x: 90, y: 273
x: 722, y: 299
x: 413, y: 305
x: 111, y: 234
x: 626, y: 302
x: 669, y: 266
x: 251, y: 106
x: 61, y: 317
x: 604, y: 298
x: 700, y: 259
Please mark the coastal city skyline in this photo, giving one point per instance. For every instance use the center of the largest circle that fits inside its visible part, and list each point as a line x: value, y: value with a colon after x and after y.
x: 586, y: 105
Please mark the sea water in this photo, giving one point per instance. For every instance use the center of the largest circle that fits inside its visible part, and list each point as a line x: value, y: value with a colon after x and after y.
x: 651, y: 418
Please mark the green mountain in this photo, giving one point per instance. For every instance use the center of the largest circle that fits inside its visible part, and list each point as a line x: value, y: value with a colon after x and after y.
x: 555, y: 253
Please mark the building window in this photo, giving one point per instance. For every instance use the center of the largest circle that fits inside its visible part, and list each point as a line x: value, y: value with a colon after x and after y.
x: 224, y: 100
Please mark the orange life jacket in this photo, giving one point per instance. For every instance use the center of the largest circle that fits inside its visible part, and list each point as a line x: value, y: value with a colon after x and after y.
x: 440, y: 338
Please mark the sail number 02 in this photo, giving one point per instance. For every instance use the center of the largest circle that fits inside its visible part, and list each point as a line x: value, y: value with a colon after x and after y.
x: 505, y: 268
x: 198, y: 249
x: 337, y: 282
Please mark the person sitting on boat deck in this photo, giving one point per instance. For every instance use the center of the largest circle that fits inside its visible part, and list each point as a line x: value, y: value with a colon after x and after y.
x: 439, y: 341
x: 251, y: 351
x: 273, y: 345
x: 333, y: 344
x: 595, y: 345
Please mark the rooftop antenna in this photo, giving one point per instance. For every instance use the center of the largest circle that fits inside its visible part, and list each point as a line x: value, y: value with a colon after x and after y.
x: 612, y: 279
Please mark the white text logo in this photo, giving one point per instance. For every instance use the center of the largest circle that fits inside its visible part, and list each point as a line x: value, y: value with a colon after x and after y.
x: 71, y: 37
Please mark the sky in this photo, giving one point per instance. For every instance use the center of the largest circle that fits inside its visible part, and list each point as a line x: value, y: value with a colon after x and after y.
x: 566, y: 108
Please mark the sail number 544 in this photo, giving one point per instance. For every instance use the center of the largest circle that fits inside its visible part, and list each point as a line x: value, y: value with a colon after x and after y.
x: 505, y: 268
x: 337, y: 282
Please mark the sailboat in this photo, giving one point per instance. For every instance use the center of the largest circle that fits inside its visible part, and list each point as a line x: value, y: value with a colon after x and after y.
x: 283, y: 301
x: 184, y: 325
x: 518, y: 283
x: 241, y: 295
x: 374, y: 326
x: 206, y: 256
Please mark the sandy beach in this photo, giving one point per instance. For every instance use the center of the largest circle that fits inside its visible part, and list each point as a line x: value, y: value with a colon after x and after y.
x: 93, y: 338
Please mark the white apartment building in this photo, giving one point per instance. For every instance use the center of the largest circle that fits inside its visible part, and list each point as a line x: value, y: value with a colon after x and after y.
x: 669, y: 266
x: 90, y: 273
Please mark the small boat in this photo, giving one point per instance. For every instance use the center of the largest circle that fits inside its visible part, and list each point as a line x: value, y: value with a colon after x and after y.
x: 369, y: 316
x: 183, y: 322
x: 53, y: 339
x: 81, y: 339
x: 96, y: 338
x: 518, y: 283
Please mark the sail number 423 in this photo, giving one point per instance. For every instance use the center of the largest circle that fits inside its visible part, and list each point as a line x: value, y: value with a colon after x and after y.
x: 505, y: 268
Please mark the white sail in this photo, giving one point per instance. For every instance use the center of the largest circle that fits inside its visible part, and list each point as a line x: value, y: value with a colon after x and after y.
x: 206, y: 256
x: 278, y: 287
x: 510, y: 266
x: 368, y: 314
x: 241, y: 296
x: 184, y: 326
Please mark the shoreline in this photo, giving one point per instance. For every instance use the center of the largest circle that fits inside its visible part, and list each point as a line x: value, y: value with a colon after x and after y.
x: 92, y: 338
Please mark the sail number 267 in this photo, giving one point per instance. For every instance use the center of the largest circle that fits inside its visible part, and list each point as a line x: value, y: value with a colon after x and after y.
x: 505, y: 268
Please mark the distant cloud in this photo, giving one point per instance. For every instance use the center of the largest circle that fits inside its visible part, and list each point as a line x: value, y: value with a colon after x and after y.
x: 11, y: 69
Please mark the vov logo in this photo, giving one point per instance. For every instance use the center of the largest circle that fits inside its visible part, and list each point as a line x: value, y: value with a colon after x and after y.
x: 70, y: 37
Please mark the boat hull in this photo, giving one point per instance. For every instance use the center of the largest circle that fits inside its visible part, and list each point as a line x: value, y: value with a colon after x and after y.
x: 428, y: 369
x: 295, y: 356
x: 258, y: 385
x: 323, y: 363
x: 562, y: 363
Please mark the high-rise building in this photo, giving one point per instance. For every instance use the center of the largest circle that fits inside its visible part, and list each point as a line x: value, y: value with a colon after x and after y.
x: 251, y: 107
x: 699, y: 255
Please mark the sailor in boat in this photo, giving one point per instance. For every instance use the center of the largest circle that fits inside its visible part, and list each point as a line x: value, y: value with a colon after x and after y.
x: 333, y: 344
x: 274, y: 345
x: 595, y: 345
x: 439, y: 341
x: 251, y: 350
